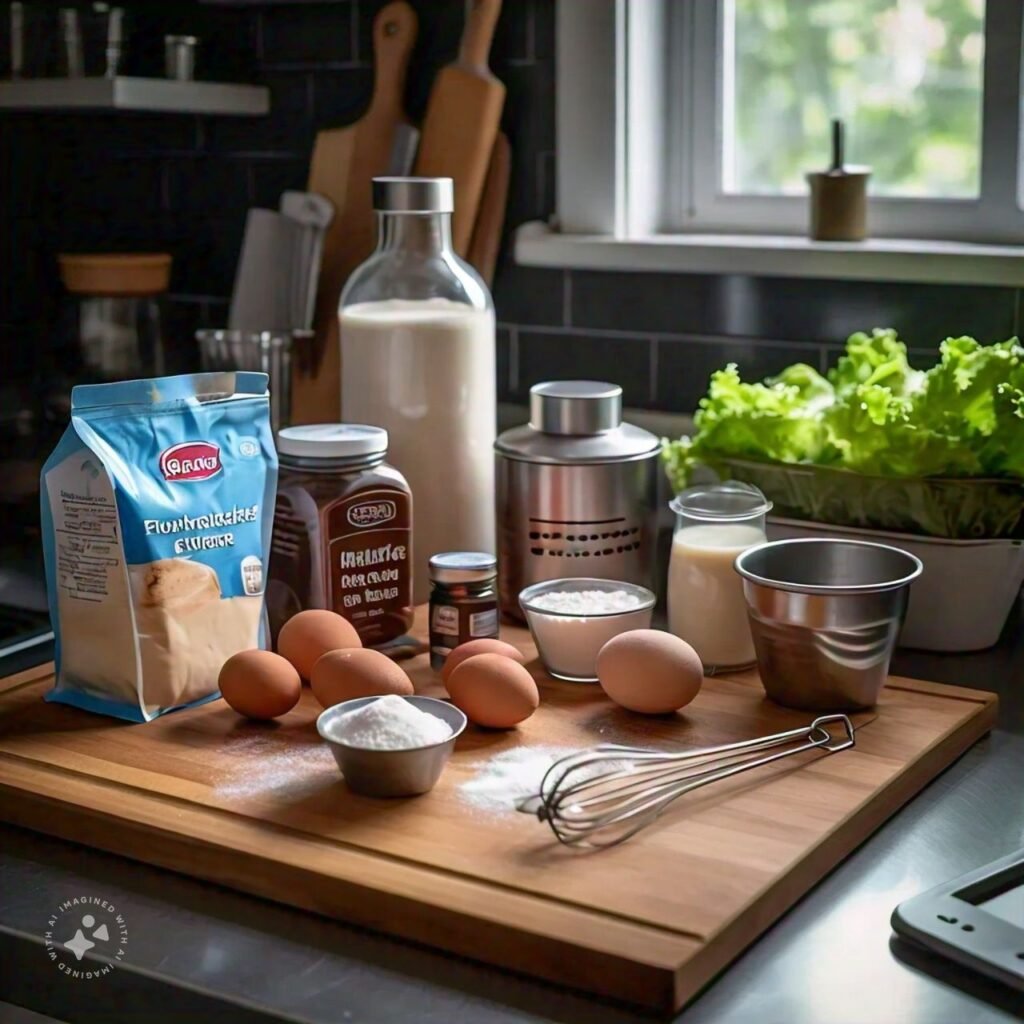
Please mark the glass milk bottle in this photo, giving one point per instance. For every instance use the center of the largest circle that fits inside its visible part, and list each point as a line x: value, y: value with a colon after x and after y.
x: 417, y: 358
x: 714, y: 524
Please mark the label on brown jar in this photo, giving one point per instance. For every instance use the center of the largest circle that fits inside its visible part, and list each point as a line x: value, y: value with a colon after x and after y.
x: 369, y: 559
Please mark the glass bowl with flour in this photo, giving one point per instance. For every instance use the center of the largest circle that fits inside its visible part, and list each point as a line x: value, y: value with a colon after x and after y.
x: 572, y: 619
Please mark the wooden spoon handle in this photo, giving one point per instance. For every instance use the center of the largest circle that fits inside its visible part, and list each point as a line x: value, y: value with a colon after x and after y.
x: 478, y: 33
x: 394, y: 35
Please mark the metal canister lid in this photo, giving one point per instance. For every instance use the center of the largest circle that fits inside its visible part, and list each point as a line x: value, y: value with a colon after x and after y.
x: 577, y: 421
x: 463, y: 567
x: 332, y: 441
x: 575, y: 407
x: 413, y: 195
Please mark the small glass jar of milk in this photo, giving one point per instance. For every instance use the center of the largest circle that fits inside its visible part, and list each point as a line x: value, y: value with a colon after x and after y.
x: 706, y: 608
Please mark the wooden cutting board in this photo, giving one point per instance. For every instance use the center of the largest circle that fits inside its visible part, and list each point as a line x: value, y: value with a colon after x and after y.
x: 490, y: 218
x: 462, y: 119
x: 344, y: 163
x: 262, y: 808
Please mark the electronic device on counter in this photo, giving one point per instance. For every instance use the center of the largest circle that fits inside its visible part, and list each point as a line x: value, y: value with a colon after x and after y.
x: 977, y: 920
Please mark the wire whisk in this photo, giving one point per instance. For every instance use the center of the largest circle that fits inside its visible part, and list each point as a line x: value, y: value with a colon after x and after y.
x: 602, y: 796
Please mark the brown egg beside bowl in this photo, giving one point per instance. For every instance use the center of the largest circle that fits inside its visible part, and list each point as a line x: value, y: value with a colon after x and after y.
x: 649, y: 671
x: 305, y: 637
x: 357, y: 672
x: 494, y: 691
x: 482, y: 645
x: 259, y: 684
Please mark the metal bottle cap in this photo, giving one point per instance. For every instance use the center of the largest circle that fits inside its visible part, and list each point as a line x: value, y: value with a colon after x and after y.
x: 575, y: 407
x: 413, y: 195
x: 463, y: 567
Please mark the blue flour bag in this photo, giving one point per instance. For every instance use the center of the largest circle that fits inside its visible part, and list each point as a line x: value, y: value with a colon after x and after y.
x: 157, y: 506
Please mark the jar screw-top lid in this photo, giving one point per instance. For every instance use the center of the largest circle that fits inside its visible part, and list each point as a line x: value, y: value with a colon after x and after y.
x: 731, y: 501
x: 332, y: 441
x: 463, y: 567
x: 575, y: 407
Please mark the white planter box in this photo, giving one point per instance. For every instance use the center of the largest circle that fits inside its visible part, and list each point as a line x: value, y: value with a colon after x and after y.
x: 963, y: 598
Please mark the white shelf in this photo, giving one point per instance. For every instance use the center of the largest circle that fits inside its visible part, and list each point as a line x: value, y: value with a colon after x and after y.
x: 878, y: 259
x: 123, y: 93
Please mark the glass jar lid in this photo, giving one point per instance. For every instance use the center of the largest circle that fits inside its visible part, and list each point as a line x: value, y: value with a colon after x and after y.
x: 730, y: 501
x: 332, y: 441
x: 463, y: 567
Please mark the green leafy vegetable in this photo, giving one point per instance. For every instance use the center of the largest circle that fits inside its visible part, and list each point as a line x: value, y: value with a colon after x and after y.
x: 874, y: 414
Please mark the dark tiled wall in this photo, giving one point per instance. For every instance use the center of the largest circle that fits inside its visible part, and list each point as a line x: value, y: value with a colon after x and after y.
x: 182, y: 183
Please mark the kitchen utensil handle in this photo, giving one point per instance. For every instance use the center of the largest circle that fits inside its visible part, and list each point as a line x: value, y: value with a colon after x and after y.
x: 394, y: 35
x: 478, y: 34
x: 838, y: 145
x: 17, y: 39
x: 115, y: 39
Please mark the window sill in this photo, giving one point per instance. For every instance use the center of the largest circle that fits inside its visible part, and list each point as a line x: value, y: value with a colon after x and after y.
x: 878, y: 259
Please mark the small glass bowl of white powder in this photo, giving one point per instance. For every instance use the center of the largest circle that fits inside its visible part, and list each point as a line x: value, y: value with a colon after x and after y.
x: 391, y: 746
x: 572, y: 619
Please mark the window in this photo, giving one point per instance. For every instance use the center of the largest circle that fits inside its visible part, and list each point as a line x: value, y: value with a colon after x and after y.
x: 905, y: 75
x: 703, y: 116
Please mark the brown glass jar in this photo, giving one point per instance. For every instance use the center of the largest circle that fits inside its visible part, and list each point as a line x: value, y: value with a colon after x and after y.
x: 342, y: 531
x: 463, y: 601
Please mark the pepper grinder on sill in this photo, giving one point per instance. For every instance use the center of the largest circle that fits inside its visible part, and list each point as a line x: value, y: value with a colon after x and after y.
x: 839, y: 197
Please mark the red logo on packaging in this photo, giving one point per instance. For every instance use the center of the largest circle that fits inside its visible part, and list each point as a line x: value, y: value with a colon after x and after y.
x: 190, y: 460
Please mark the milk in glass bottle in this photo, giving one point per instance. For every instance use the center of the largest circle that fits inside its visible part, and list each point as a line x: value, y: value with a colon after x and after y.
x: 417, y: 358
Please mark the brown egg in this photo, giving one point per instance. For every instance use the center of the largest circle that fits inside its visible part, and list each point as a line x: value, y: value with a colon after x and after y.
x: 312, y: 633
x: 493, y: 690
x: 485, y: 645
x: 649, y: 671
x: 260, y: 684
x: 357, y: 672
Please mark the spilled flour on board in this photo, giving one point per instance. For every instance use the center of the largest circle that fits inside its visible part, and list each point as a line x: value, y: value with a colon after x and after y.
x: 500, y: 782
x: 277, y: 767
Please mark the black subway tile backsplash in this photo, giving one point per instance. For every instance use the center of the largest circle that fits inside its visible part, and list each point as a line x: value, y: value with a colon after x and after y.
x: 669, y: 303
x: 271, y: 176
x: 817, y: 311
x: 319, y: 34
x: 794, y: 309
x: 208, y: 186
x: 528, y: 295
x: 289, y: 126
x: 181, y: 183
x: 550, y: 355
x: 683, y: 365
x: 340, y: 97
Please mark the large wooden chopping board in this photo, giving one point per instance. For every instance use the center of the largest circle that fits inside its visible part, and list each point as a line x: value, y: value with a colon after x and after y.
x: 262, y: 808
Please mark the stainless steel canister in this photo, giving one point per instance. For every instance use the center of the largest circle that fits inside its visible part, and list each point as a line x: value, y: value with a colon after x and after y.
x: 576, y: 490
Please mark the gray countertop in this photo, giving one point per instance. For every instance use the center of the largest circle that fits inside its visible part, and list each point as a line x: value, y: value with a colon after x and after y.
x: 200, y: 952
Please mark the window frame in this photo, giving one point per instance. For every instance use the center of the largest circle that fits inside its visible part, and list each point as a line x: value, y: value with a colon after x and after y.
x: 630, y: 118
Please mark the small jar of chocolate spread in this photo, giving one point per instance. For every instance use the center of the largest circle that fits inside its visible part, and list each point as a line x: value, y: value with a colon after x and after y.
x: 463, y: 601
x: 342, y: 531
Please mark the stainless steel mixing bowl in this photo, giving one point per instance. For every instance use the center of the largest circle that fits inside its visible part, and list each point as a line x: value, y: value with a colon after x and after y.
x: 407, y: 772
x: 825, y: 615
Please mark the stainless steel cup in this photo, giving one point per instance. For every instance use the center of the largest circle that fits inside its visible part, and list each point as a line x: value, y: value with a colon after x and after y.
x: 825, y: 615
x: 180, y: 57
x: 269, y: 352
x: 390, y: 773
